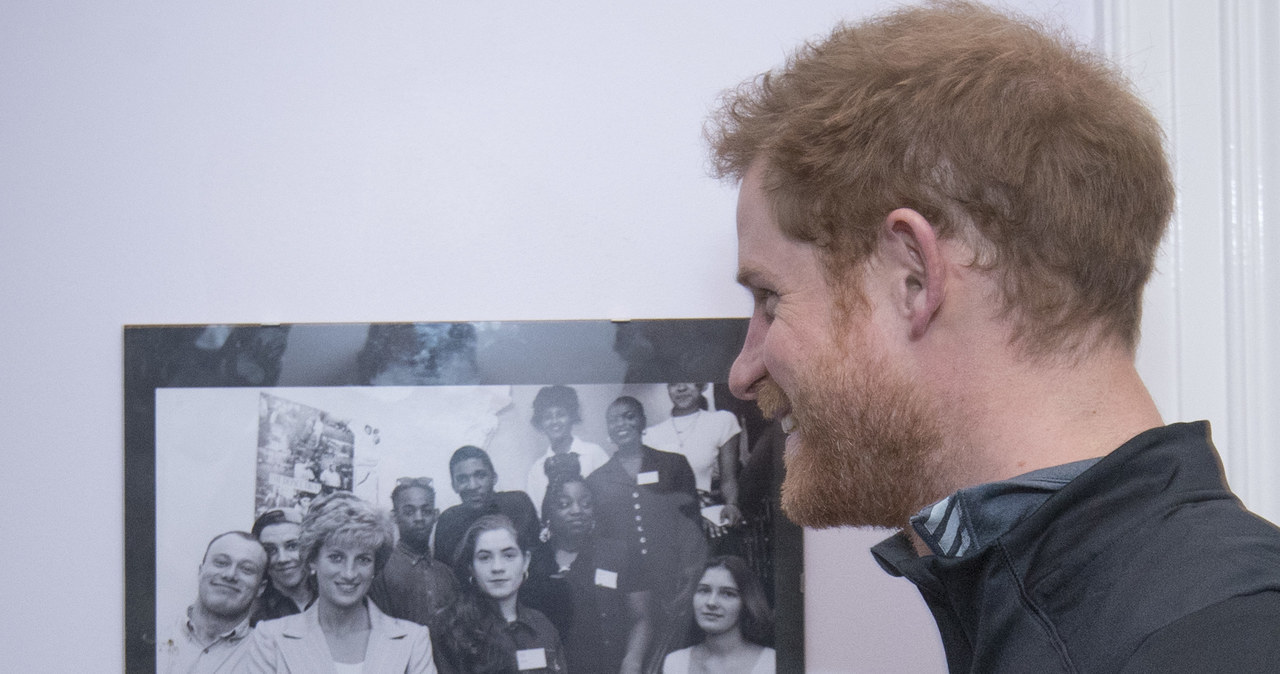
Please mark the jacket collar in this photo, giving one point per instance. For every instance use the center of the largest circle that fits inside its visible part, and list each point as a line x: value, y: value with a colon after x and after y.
x: 302, y: 640
x: 973, y: 517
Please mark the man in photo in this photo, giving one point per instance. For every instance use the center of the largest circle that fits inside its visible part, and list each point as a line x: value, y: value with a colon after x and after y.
x: 473, y: 479
x: 211, y: 637
x: 286, y: 591
x: 414, y: 586
x: 946, y: 218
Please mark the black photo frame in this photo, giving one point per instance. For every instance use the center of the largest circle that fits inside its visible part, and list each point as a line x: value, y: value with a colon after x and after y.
x: 198, y: 398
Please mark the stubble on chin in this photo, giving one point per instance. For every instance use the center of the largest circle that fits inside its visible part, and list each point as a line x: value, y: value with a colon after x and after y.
x: 868, y: 451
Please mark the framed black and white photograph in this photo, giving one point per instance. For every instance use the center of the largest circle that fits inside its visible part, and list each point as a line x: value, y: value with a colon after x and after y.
x: 225, y: 425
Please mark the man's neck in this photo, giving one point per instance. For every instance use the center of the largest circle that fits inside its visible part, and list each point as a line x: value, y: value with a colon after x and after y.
x: 483, y: 506
x: 1015, y: 416
x: 207, y: 626
x: 417, y: 548
x: 300, y: 594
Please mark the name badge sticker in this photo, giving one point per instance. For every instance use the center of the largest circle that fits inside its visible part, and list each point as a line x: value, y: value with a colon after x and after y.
x: 607, y: 578
x: 531, y: 658
x: 649, y: 477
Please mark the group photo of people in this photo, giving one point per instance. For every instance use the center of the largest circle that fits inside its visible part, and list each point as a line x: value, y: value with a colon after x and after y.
x: 557, y: 528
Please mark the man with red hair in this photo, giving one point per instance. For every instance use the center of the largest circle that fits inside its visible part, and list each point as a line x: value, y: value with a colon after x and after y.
x: 946, y: 218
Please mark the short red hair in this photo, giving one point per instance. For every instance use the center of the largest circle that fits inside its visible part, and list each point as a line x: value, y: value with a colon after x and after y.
x: 1029, y: 148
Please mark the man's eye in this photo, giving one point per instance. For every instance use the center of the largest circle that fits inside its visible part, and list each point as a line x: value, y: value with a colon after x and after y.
x: 766, y: 300
x: 291, y: 546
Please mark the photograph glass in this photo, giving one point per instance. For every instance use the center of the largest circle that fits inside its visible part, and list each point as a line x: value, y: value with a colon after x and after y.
x: 226, y: 423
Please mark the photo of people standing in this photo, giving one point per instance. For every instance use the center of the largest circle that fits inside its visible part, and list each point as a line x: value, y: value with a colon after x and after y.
x: 600, y: 573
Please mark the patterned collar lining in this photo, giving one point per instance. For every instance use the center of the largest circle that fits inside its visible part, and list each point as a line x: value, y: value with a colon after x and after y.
x: 973, y: 517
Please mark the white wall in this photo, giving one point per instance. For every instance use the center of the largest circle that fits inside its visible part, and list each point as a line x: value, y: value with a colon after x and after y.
x: 1212, y: 320
x: 288, y: 161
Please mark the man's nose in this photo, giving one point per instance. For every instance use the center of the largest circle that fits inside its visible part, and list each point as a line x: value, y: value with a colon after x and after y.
x: 748, y: 368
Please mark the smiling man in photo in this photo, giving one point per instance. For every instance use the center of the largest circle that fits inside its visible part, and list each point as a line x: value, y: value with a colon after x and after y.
x: 210, y: 638
x: 474, y: 480
x: 947, y: 217
x: 286, y: 591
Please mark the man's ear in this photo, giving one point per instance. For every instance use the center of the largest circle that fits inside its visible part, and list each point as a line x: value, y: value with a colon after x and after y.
x: 910, y: 247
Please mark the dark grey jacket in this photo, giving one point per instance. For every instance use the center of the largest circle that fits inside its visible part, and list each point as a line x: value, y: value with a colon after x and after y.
x: 1145, y: 562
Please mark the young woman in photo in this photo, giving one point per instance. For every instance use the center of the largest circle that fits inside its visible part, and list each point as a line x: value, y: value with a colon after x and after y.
x: 709, y: 440
x: 488, y: 631
x: 587, y: 585
x: 555, y: 412
x: 647, y: 499
x: 730, y: 610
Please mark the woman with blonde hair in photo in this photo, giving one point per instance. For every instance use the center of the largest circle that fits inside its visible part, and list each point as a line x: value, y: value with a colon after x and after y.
x: 345, y: 541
